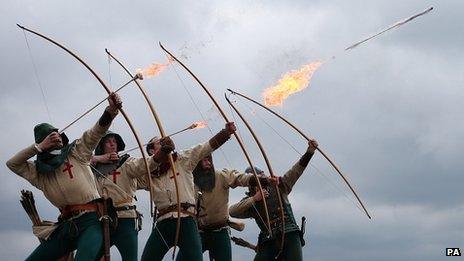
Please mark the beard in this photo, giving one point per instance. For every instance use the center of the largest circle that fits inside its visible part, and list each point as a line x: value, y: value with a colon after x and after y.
x: 205, y: 178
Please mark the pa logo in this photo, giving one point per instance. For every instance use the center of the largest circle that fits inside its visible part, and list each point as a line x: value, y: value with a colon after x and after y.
x: 453, y: 251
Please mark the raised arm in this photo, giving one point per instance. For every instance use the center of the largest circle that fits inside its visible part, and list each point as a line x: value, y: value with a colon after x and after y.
x: 242, y: 209
x: 222, y: 136
x: 88, y: 142
x: 47, y: 139
x: 20, y: 165
x: 135, y: 167
x: 200, y: 151
x: 292, y: 175
x: 235, y: 178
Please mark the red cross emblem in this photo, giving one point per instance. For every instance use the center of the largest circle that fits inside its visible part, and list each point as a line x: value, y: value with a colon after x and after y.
x: 115, y: 173
x: 68, y: 167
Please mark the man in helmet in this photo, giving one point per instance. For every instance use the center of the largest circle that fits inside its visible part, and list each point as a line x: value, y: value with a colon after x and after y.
x: 213, y: 209
x: 252, y: 207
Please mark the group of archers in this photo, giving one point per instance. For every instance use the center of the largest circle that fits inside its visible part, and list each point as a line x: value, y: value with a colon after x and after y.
x: 76, y: 177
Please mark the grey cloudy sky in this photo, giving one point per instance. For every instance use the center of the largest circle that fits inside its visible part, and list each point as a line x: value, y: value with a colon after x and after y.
x: 388, y: 112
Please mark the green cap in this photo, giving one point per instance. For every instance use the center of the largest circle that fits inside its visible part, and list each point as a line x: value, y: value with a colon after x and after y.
x: 42, y: 130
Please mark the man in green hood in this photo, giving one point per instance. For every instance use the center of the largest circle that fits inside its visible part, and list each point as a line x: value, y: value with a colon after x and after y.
x: 117, y: 179
x: 61, y: 171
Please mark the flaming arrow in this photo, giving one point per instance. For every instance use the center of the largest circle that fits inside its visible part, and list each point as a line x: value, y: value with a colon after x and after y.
x: 397, y: 24
x: 108, y: 91
x: 191, y: 127
x: 297, y: 80
x: 307, y: 138
x: 173, y: 168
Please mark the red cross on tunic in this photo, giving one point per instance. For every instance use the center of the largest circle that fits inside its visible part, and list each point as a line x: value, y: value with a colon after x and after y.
x: 115, y: 173
x: 68, y: 169
x: 171, y: 177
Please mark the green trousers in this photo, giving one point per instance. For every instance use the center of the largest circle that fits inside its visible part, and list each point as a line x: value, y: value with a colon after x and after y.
x: 83, y: 233
x: 124, y: 237
x: 291, y: 251
x: 217, y: 243
x: 162, y: 238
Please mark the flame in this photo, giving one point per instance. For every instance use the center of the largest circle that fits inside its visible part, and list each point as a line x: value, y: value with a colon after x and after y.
x: 199, y: 125
x: 290, y: 83
x: 155, y: 68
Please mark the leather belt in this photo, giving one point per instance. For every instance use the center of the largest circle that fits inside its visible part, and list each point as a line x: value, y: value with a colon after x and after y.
x: 213, y: 226
x: 173, y: 208
x: 123, y: 208
x: 73, y: 210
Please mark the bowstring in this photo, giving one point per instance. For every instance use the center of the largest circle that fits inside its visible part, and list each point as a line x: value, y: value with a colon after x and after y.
x: 235, y: 120
x: 110, y: 80
x: 34, y: 66
x: 240, y: 136
x: 198, y: 109
x: 50, y: 118
x: 257, y: 212
x: 201, y: 113
x: 318, y: 171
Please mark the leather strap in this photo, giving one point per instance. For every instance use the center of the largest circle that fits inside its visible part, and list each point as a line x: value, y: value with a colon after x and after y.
x: 123, y: 208
x: 72, y: 210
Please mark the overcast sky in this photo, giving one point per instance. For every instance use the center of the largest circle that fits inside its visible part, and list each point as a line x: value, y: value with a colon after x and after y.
x: 388, y: 112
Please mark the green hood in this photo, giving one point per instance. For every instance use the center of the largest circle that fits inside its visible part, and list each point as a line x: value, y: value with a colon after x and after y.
x: 42, y: 130
x: 119, y: 141
x: 49, y: 161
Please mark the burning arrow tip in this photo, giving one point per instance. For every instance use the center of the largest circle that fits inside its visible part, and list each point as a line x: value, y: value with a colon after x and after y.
x: 139, y: 75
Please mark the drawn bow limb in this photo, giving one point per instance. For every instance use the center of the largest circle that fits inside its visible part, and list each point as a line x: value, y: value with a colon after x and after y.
x: 226, y: 119
x: 108, y: 90
x: 271, y: 172
x: 307, y: 138
x: 162, y: 134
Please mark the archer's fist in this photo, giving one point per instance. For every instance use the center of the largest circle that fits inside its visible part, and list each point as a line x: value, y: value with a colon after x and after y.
x: 105, y: 158
x: 312, y: 146
x: 274, y: 180
x: 230, y: 128
x: 258, y: 196
x: 115, y: 102
x: 52, y: 141
x: 167, y: 145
